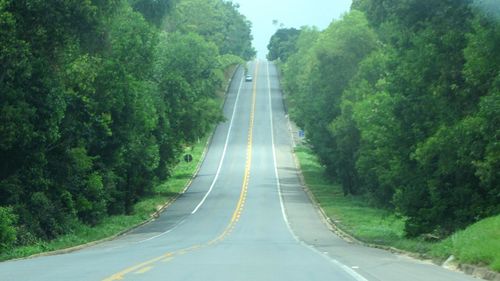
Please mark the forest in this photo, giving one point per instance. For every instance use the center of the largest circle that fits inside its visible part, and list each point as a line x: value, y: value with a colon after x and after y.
x: 400, y: 100
x: 97, y: 100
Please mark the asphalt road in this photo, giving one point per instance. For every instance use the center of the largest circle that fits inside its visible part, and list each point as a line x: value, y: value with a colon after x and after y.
x: 245, y: 217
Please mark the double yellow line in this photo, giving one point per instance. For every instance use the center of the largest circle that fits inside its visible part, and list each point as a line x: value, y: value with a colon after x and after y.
x: 149, y: 264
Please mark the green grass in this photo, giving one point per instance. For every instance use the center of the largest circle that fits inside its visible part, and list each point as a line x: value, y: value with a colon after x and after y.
x: 353, y: 214
x: 478, y: 244
x: 82, y: 234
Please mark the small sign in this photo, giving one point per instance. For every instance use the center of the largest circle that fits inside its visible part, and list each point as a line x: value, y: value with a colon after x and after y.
x: 188, y: 158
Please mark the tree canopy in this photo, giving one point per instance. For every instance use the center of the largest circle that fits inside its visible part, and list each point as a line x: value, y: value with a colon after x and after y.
x: 399, y: 99
x: 282, y: 44
x: 97, y: 102
x: 217, y: 21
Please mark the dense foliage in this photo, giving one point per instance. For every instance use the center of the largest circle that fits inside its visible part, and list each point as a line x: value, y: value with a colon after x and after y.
x: 282, y: 44
x: 217, y: 21
x: 96, y: 103
x: 401, y: 101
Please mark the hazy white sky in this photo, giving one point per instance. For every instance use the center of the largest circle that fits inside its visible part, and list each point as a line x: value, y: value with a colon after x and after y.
x: 291, y: 13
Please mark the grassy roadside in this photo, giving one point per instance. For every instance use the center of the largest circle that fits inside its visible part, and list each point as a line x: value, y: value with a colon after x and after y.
x: 114, y: 225
x: 479, y: 244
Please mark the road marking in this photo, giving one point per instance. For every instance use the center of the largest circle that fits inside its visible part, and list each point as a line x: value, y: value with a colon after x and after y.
x: 143, y: 270
x: 223, y: 151
x: 214, y: 181
x: 121, y: 274
x: 275, y: 165
x: 167, y: 259
x: 347, y: 269
x: 148, y: 265
x: 217, y: 172
x: 163, y: 233
x: 244, y: 189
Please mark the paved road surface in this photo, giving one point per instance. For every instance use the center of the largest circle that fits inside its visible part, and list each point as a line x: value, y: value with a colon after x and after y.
x: 245, y: 217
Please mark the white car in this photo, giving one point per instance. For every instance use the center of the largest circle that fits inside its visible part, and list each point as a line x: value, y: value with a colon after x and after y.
x: 248, y: 78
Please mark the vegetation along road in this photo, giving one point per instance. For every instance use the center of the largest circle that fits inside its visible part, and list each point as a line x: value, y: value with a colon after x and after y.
x: 397, y: 104
x: 245, y: 216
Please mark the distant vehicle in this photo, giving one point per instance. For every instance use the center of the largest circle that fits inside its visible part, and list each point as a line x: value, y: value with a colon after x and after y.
x: 248, y: 78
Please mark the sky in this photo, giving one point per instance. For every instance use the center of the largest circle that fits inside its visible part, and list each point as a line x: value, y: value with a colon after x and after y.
x: 289, y: 13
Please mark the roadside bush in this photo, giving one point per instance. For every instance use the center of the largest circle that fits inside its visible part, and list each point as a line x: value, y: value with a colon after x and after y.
x: 7, y: 228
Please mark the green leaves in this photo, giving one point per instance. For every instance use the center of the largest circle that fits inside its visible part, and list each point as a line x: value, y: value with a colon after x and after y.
x: 318, y: 77
x: 188, y: 75
x: 153, y: 11
x: 282, y: 44
x: 218, y: 22
x: 7, y: 228
x: 402, y: 107
x: 97, y: 103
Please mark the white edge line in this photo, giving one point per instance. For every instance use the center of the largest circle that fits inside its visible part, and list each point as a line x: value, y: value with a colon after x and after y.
x: 278, y: 183
x: 347, y: 269
x: 223, y: 151
x: 163, y: 233
x: 216, y: 175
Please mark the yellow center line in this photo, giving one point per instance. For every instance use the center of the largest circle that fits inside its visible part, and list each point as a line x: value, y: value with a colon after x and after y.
x: 167, y: 259
x: 143, y: 270
x: 135, y: 268
x: 246, y: 177
x: 148, y: 265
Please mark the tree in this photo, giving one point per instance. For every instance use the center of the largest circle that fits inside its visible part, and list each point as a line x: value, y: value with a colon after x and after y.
x: 296, y: 72
x: 96, y: 105
x: 154, y: 11
x: 407, y: 118
x: 218, y: 22
x: 282, y: 44
x: 335, y: 59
